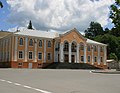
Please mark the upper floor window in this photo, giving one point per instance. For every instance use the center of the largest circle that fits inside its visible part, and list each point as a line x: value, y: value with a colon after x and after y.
x: 30, y: 42
x: 82, y: 58
x: 21, y: 41
x: 88, y: 48
x: 49, y: 44
x: 81, y: 47
x: 66, y: 46
x: 40, y: 43
x: 95, y: 48
x: 101, y: 49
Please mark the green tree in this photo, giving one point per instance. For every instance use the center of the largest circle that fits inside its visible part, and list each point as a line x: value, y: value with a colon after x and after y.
x: 1, y: 5
x: 30, y: 25
x: 113, y: 56
x: 94, y: 29
x: 115, y: 16
x: 110, y: 40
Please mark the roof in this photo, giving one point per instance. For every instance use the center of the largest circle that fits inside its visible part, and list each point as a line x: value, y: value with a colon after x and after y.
x: 4, y: 33
x: 37, y: 33
x: 89, y: 41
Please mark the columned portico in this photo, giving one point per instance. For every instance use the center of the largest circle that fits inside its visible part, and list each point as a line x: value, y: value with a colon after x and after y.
x: 69, y: 52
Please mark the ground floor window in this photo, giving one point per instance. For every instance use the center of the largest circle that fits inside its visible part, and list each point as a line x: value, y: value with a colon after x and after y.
x: 49, y: 56
x: 95, y: 59
x: 39, y: 55
x: 20, y: 54
x: 88, y: 58
x: 20, y: 64
x: 30, y: 55
x: 82, y: 58
x: 101, y: 59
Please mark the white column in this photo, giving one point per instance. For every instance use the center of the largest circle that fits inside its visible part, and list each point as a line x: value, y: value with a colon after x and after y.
x: 61, y: 52
x: 44, y: 51
x: 69, y: 52
x: 26, y: 49
x: 92, y: 55
x: 35, y: 50
x: 98, y: 55
x: 15, y: 50
x: 85, y: 48
x: 77, y: 53
x: 105, y: 53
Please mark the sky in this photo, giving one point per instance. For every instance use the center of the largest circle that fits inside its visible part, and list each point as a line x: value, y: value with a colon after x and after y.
x: 60, y: 15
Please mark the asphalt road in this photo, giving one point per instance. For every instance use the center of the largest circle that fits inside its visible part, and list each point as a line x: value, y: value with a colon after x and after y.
x: 57, y: 81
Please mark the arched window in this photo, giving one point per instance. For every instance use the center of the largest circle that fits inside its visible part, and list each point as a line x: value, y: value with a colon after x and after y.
x: 21, y: 41
x: 88, y: 48
x: 40, y: 43
x: 66, y: 46
x: 73, y: 47
x: 31, y: 42
x: 82, y: 47
x: 49, y: 44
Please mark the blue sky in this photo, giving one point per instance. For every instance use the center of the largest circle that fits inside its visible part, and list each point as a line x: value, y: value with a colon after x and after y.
x: 58, y: 14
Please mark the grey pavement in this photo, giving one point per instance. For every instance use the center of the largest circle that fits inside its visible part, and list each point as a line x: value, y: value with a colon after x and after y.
x: 57, y: 81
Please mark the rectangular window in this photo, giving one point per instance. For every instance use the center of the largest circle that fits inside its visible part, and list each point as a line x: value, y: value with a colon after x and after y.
x: 101, y: 49
x: 82, y: 58
x: 88, y: 48
x: 88, y: 58
x: 20, y: 54
x: 49, y: 56
x: 30, y: 55
x: 39, y: 56
x: 101, y: 59
x: 95, y: 48
x: 95, y: 59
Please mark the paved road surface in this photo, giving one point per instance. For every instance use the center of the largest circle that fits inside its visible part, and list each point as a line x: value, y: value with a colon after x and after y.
x: 57, y: 81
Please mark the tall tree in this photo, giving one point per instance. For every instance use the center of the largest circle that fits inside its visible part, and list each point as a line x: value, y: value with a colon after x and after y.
x: 1, y: 5
x: 94, y: 29
x: 30, y: 25
x: 115, y: 16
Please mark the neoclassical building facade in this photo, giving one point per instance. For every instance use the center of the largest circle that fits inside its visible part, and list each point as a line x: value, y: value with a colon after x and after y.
x: 32, y: 49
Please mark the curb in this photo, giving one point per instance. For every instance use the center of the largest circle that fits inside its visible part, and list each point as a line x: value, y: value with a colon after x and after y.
x: 106, y: 72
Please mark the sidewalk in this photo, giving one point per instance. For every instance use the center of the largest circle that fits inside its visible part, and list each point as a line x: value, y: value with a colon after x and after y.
x: 106, y: 71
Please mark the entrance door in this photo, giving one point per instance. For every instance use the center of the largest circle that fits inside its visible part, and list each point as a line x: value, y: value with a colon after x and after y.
x: 66, y: 57
x: 30, y: 65
x: 73, y: 59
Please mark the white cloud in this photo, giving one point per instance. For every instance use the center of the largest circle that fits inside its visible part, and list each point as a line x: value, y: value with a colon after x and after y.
x: 59, y: 14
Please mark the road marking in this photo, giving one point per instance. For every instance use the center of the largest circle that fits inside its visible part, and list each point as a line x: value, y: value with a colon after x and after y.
x: 25, y: 86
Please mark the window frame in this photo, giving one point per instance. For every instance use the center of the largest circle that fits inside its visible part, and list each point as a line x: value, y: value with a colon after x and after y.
x: 82, y: 57
x: 88, y: 58
x: 49, y: 44
x: 49, y: 56
x: 31, y: 44
x: 19, y: 54
x: 88, y: 48
x: 38, y: 56
x: 40, y: 43
x: 29, y: 55
x: 95, y: 59
x: 21, y: 44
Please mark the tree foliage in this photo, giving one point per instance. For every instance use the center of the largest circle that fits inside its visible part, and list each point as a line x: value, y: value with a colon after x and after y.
x: 30, y: 25
x: 94, y: 29
x: 1, y: 5
x: 113, y: 56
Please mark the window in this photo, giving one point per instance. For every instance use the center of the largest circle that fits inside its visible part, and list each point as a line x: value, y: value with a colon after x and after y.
x: 39, y: 56
x: 88, y: 58
x: 21, y: 41
x: 30, y: 55
x: 88, y: 48
x: 101, y: 49
x: 20, y: 54
x: 82, y: 47
x: 20, y: 64
x: 82, y: 58
x: 49, y: 56
x: 40, y: 43
x: 49, y: 44
x: 95, y: 48
x: 95, y: 59
x: 101, y: 59
x: 66, y: 46
x: 31, y: 42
